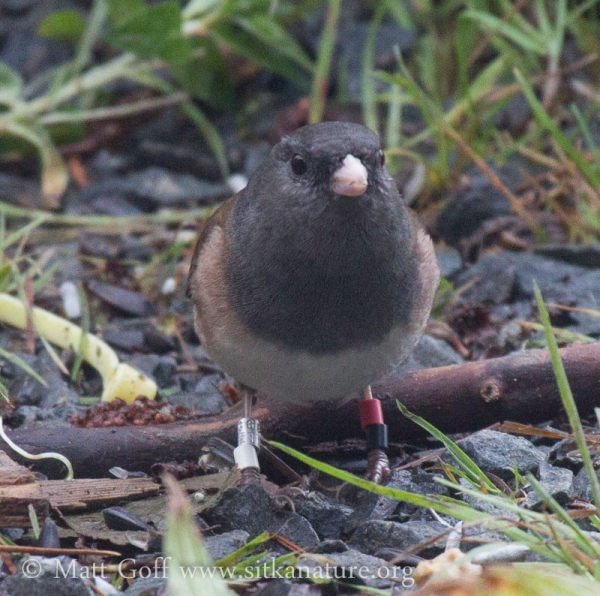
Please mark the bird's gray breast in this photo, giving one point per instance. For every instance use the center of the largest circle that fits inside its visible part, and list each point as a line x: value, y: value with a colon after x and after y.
x: 338, y: 292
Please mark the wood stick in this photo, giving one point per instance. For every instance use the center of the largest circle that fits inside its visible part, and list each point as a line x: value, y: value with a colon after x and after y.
x: 459, y: 398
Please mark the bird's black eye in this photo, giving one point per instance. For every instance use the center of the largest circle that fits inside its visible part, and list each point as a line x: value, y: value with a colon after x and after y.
x: 299, y: 166
x: 381, y: 158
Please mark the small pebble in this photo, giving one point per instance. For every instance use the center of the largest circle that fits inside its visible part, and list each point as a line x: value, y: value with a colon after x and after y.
x: 237, y: 182
x: 168, y: 286
x: 70, y: 300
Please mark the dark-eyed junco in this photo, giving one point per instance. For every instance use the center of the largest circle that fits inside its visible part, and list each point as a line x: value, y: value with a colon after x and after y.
x: 314, y: 280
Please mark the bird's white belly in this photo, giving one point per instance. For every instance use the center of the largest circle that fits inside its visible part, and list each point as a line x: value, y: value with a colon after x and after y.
x: 299, y: 376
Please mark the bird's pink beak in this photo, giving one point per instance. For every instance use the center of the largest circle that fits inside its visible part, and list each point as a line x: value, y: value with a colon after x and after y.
x: 351, y: 178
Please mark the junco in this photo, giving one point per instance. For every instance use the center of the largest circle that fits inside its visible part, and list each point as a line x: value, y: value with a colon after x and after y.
x: 314, y: 280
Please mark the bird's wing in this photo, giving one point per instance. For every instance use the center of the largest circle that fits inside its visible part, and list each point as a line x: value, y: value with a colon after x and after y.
x: 217, y: 219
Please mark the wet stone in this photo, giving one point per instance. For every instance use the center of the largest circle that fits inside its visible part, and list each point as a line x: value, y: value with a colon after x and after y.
x: 557, y: 482
x: 327, y: 516
x: 224, y: 544
x: 204, y: 402
x: 430, y: 352
x: 49, y: 580
x: 500, y: 453
x: 584, y: 255
x: 468, y: 208
x: 246, y: 507
x: 164, y: 371
x: 25, y: 390
x: 566, y: 455
x: 147, y: 586
x: 49, y: 535
x: 351, y: 567
x: 376, y: 534
x: 165, y: 188
x: 581, y: 485
x: 118, y: 518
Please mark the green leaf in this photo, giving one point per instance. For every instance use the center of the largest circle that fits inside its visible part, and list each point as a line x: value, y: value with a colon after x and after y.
x: 263, y: 27
x: 14, y: 359
x: 244, y: 44
x: 525, y: 41
x: 206, y: 75
x: 148, y: 31
x: 465, y: 463
x: 62, y: 25
x: 54, y: 172
x: 11, y: 85
x: 191, y: 570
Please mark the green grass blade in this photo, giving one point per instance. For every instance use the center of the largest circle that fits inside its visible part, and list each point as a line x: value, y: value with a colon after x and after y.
x: 465, y: 463
x: 567, y: 397
x: 318, y: 95
x: 549, y: 124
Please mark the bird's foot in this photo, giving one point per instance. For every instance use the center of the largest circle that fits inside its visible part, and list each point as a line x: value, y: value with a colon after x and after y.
x: 248, y: 476
x: 378, y: 466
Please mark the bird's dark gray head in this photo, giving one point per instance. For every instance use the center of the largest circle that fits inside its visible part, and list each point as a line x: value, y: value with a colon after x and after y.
x: 324, y: 165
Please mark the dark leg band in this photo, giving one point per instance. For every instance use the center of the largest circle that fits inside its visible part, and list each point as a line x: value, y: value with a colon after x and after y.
x: 377, y: 436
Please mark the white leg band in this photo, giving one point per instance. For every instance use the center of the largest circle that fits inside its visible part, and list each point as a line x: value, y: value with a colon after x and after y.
x: 245, y: 457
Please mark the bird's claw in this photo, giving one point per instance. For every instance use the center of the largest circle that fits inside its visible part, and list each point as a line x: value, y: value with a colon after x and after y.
x: 378, y: 466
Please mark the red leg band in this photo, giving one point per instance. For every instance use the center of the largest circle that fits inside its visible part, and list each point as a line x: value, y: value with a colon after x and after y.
x: 370, y: 413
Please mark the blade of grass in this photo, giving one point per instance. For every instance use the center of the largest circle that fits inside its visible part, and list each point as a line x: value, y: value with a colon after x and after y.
x: 368, y: 90
x: 320, y: 84
x: 443, y: 505
x: 464, y: 462
x: 567, y: 397
x: 550, y: 125
x: 587, y: 544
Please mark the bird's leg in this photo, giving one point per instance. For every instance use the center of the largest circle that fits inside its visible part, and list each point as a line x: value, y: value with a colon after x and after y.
x: 246, y: 453
x: 371, y: 421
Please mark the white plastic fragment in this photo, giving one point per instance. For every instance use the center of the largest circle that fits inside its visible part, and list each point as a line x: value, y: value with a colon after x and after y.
x: 70, y: 300
x: 237, y: 182
x: 168, y: 286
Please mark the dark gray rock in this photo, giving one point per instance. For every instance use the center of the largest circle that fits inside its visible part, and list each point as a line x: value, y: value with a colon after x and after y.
x: 293, y: 527
x: 449, y: 262
x: 327, y: 517
x: 500, y: 453
x: 248, y: 507
x: 368, y: 506
x: 557, y: 482
x: 49, y: 537
x: 147, y: 586
x: 581, y: 485
x: 26, y: 391
x: 118, y: 518
x: 376, y: 534
x: 165, y: 188
x: 207, y: 400
x: 430, y: 352
x: 116, y: 204
x: 468, y: 208
x: 164, y: 371
x: 277, y: 587
x: 496, y: 280
x: 566, y: 455
x: 584, y: 255
x: 351, y: 567
x: 38, y: 576
x: 224, y: 544
x: 490, y: 509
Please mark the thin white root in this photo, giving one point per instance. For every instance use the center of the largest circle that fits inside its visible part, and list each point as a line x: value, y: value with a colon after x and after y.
x: 47, y: 455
